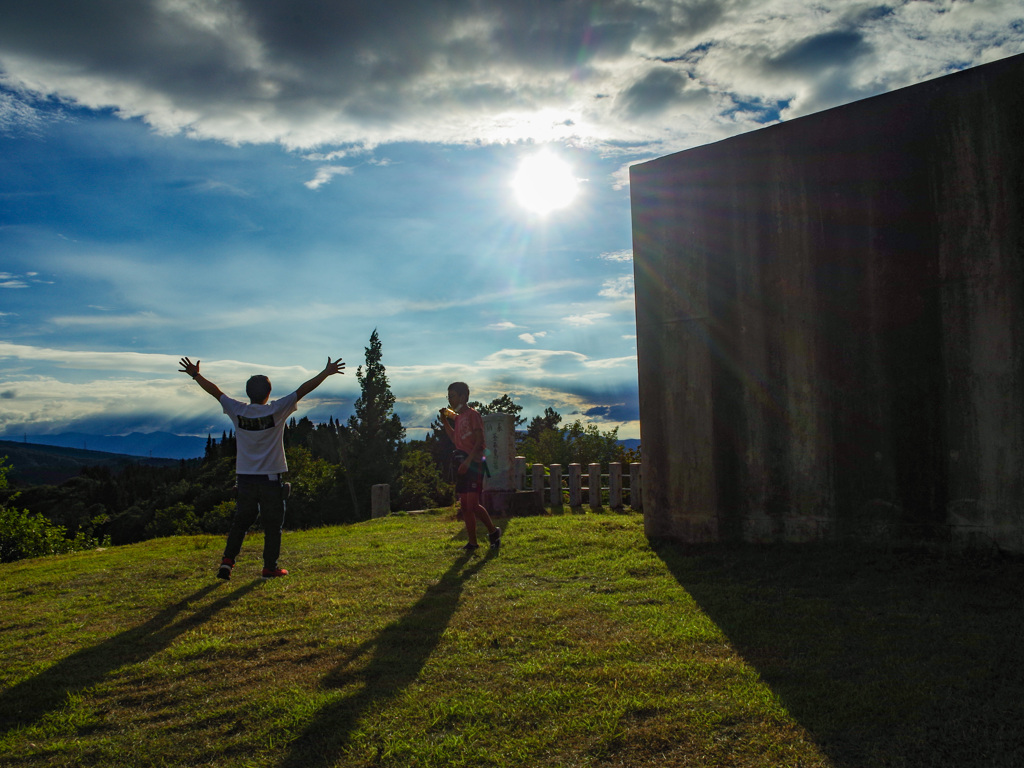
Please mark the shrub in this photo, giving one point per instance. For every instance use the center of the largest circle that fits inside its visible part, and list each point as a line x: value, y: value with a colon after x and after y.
x: 573, y: 444
x: 129, y: 526
x: 218, y: 519
x: 26, y: 534
x: 176, y: 520
x: 421, y: 482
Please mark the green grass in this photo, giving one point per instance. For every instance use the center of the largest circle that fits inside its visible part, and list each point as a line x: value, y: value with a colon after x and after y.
x: 580, y: 644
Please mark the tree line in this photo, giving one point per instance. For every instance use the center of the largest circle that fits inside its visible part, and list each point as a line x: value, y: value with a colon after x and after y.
x: 332, y: 467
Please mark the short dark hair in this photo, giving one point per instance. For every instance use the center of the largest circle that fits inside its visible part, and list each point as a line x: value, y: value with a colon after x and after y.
x: 461, y: 387
x: 258, y: 388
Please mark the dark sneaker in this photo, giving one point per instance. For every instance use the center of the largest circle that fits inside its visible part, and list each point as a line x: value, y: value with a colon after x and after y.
x: 224, y: 572
x: 270, y: 573
x: 495, y: 538
x: 470, y: 547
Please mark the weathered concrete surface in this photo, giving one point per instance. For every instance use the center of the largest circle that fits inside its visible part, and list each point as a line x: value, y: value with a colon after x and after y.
x: 500, y: 443
x: 830, y: 318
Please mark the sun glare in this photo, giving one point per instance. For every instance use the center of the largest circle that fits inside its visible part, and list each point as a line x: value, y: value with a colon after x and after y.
x: 544, y: 183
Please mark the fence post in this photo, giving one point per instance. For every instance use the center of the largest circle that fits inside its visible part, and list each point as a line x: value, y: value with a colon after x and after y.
x: 519, y: 473
x: 575, y: 486
x: 594, y: 486
x: 538, y: 482
x: 380, y: 501
x: 636, y: 486
x: 615, y: 485
x: 556, y: 485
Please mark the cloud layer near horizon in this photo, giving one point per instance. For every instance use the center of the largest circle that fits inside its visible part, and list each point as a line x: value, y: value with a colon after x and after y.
x: 120, y: 392
x: 620, y: 74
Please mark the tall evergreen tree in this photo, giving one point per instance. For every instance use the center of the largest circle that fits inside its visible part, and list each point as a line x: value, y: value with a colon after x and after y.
x: 541, y: 424
x: 375, y: 431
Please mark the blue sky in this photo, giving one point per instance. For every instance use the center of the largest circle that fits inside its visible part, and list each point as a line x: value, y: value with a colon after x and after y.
x: 261, y: 184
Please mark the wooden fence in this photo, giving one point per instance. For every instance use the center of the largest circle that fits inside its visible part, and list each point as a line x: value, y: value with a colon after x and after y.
x: 552, y: 485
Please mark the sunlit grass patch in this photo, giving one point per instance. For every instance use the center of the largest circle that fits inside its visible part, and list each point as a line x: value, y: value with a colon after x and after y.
x: 579, y: 644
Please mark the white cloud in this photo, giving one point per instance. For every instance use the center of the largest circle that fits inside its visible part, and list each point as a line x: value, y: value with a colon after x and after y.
x: 618, y: 288
x: 588, y: 318
x: 15, y: 281
x: 623, y: 75
x: 612, y: 362
x: 531, y: 338
x: 57, y: 390
x: 17, y: 115
x: 137, y: 362
x: 325, y: 173
x: 624, y: 255
x: 504, y: 325
x: 50, y: 404
x: 532, y: 362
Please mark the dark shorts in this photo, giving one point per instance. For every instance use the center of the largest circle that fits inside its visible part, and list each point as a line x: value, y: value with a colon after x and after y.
x: 473, y: 479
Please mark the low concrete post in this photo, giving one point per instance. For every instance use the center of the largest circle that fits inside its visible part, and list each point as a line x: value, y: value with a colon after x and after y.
x: 575, y: 485
x: 519, y: 473
x: 636, y: 488
x: 380, y: 501
x: 594, y: 483
x: 615, y: 485
x: 538, y: 482
x: 556, y: 485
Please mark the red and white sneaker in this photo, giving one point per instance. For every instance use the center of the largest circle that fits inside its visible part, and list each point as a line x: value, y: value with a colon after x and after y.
x: 271, y: 573
x: 224, y: 572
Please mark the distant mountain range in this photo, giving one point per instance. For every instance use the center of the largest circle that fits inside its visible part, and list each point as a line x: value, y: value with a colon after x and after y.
x: 156, y: 445
x: 32, y: 464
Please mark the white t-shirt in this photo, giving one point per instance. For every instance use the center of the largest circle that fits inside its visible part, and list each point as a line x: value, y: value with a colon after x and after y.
x: 259, y: 432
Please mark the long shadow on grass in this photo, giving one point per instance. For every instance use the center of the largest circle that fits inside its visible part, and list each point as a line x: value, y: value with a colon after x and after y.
x: 48, y: 691
x: 885, y: 659
x: 399, y: 654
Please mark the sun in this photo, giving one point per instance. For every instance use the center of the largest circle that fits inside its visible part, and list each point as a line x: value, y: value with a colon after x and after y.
x: 544, y: 183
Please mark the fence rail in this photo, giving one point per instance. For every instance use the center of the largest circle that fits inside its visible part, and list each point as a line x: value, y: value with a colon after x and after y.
x: 556, y: 484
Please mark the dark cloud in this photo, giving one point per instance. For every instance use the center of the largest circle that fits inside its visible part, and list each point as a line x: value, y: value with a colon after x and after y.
x: 839, y: 48
x: 655, y: 92
x: 615, y: 406
x: 8, y: 394
x: 314, y: 72
x: 621, y: 412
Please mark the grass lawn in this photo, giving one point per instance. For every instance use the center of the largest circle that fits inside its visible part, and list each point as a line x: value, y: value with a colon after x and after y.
x: 580, y: 644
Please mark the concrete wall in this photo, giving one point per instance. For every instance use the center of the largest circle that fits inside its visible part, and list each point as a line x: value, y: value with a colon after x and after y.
x: 830, y: 318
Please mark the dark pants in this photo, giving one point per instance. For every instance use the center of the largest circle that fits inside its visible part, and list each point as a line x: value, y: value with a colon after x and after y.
x: 258, y: 496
